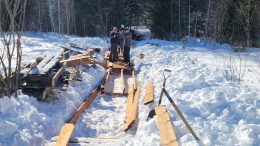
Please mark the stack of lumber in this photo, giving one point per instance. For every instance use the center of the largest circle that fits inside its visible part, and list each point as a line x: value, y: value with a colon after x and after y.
x: 38, y: 77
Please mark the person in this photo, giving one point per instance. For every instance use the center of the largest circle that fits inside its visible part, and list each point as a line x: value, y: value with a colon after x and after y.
x: 127, y: 45
x: 114, y: 40
x: 121, y: 39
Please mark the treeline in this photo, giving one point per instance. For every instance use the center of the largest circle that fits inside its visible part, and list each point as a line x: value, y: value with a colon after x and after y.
x: 82, y: 17
x: 232, y: 21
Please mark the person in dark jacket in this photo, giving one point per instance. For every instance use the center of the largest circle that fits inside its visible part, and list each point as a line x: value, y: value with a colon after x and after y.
x: 127, y: 45
x: 121, y: 39
x: 114, y: 40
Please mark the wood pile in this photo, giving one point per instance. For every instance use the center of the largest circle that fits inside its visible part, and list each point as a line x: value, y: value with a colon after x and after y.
x: 42, y: 76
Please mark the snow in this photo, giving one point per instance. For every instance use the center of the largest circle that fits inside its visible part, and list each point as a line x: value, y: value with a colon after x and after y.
x: 220, y: 109
x: 214, y: 106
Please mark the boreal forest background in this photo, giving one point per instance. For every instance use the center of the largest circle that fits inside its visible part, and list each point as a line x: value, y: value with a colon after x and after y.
x: 226, y: 21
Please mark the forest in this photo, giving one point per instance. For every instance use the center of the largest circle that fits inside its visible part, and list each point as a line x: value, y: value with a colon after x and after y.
x: 226, y: 21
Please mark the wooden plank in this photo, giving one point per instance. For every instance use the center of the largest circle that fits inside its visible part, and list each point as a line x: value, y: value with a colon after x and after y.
x: 122, y: 81
x: 76, y: 58
x: 134, y: 79
x: 65, y: 134
x: 149, y: 93
x: 118, y: 65
x: 74, y: 61
x: 56, y: 77
x: 107, y: 80
x: 74, y: 49
x: 136, y: 102
x: 68, y: 128
x: 130, y: 97
x: 84, y: 105
x: 132, y: 107
x: 53, y: 62
x: 165, y: 126
x: 45, y: 61
x: 129, y: 103
x: 45, y: 65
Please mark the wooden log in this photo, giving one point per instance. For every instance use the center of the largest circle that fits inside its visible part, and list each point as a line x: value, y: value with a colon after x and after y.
x: 132, y: 108
x: 165, y: 126
x: 149, y: 94
x: 65, y: 134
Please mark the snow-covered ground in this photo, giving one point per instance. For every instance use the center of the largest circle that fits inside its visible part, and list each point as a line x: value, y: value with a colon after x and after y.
x: 204, y: 84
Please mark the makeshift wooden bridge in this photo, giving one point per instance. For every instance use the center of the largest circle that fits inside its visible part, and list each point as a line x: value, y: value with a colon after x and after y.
x: 117, y: 70
x: 127, y: 86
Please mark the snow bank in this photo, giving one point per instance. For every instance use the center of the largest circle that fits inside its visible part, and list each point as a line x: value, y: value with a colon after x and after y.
x: 26, y: 121
x: 221, y: 112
